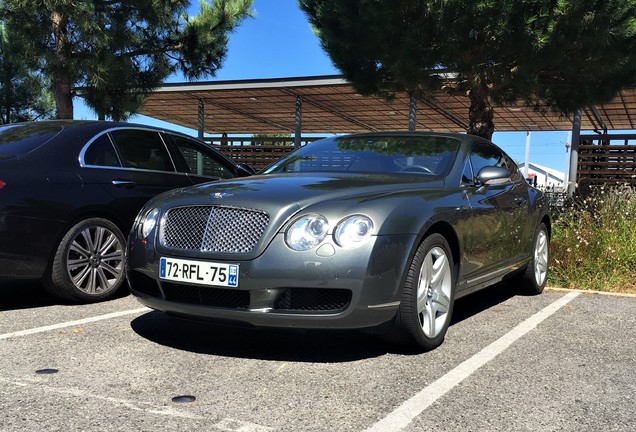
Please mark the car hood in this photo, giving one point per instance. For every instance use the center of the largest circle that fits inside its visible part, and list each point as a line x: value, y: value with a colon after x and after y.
x: 283, y: 196
x: 299, y: 191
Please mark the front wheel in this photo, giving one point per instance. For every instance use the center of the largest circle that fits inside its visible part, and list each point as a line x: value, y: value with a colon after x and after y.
x: 428, y: 294
x: 536, y: 274
x: 88, y: 265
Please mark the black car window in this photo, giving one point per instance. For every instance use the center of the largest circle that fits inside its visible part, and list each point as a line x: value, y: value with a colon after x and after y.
x: 142, y: 149
x: 467, y: 174
x: 20, y: 139
x: 101, y: 153
x: 484, y: 154
x: 513, y: 168
x: 200, y: 162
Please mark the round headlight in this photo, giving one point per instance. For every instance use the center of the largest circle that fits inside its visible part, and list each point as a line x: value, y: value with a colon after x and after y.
x: 353, y: 231
x: 307, y: 232
x: 149, y: 222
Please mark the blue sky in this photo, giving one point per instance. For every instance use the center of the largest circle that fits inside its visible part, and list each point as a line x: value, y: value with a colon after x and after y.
x: 278, y: 43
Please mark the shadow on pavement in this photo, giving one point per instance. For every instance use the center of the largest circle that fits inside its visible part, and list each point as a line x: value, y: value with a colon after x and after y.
x: 29, y: 294
x: 321, y: 346
x: 24, y: 294
x: 485, y: 299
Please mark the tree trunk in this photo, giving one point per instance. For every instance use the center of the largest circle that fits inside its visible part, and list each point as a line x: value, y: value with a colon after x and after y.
x: 62, y: 84
x: 480, y: 113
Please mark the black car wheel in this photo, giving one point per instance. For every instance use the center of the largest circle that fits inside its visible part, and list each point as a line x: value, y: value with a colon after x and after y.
x: 536, y: 274
x: 428, y: 294
x: 89, y: 263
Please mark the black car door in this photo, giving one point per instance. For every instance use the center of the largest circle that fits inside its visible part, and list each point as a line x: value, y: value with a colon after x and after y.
x: 499, y: 212
x: 200, y: 162
x: 132, y: 165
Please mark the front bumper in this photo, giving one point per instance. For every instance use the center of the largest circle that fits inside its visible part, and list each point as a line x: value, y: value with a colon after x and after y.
x: 323, y: 288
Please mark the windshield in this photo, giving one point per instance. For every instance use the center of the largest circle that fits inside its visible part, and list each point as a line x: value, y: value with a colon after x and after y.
x: 420, y: 155
x: 21, y: 138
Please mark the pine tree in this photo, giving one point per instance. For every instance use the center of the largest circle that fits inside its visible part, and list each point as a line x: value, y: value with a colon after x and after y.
x: 117, y: 51
x: 23, y: 93
x: 562, y: 54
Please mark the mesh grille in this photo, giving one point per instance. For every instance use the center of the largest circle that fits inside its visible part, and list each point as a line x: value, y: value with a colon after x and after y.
x: 213, y: 228
x: 313, y: 300
x: 206, y: 296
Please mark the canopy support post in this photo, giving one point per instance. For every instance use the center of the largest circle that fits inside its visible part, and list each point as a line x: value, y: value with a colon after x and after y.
x: 574, y: 152
x: 201, y: 119
x: 412, y: 113
x: 299, y: 121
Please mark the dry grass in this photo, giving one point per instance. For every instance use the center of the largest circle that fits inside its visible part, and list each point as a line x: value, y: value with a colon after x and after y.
x: 594, y: 242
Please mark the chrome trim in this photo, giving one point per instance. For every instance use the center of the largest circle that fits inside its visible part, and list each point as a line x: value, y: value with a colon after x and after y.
x: 160, y: 132
x: 385, y: 305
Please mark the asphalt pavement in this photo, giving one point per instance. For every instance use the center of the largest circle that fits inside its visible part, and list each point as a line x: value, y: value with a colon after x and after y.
x: 561, y: 361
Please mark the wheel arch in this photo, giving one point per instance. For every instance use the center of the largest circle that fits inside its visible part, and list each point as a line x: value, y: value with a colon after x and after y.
x: 548, y: 224
x: 89, y: 214
x: 446, y: 230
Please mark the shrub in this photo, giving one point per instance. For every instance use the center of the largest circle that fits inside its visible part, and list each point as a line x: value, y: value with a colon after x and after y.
x: 594, y: 242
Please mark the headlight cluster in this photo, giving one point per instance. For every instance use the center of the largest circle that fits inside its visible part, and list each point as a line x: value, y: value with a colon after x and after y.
x: 310, y: 230
x: 148, y: 222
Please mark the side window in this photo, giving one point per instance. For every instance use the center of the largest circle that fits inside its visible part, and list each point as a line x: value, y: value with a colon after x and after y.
x: 102, y: 153
x: 484, y: 155
x: 200, y: 162
x: 513, y: 168
x: 142, y: 149
x: 467, y: 175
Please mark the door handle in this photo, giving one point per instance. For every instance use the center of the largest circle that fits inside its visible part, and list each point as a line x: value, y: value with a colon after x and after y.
x: 520, y: 201
x: 124, y: 183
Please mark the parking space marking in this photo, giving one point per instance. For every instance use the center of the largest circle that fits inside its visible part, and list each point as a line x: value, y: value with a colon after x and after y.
x: 146, y: 407
x: 405, y: 413
x: 72, y: 323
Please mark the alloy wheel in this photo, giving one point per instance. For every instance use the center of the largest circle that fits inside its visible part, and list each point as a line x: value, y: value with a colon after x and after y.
x: 434, y: 292
x: 95, y: 261
x: 541, y: 255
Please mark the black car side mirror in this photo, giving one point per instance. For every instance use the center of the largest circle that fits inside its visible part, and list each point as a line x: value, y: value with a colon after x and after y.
x: 492, y: 174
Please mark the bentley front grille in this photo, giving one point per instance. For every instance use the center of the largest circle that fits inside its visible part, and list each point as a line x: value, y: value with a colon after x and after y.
x: 213, y: 228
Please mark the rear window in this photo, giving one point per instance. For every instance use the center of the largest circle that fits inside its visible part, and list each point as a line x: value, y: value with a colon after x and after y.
x: 20, y: 139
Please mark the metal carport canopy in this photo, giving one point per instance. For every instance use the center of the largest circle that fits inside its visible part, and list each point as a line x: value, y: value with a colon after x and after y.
x: 329, y: 104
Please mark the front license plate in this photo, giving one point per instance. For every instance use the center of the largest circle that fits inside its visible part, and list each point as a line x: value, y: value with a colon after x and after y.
x: 199, y: 272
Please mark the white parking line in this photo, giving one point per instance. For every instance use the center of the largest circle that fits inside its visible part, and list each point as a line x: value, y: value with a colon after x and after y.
x: 72, y: 323
x: 413, y: 407
x: 80, y: 394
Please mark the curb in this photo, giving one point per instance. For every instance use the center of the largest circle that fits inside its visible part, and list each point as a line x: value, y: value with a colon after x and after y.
x: 605, y: 293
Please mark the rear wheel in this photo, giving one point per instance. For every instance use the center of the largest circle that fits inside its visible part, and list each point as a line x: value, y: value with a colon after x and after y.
x: 428, y: 295
x: 536, y: 274
x: 89, y: 263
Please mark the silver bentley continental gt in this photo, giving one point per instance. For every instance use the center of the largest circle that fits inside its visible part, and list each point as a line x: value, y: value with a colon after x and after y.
x: 360, y: 231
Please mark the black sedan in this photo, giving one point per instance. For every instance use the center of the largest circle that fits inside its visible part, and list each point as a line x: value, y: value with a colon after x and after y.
x: 70, y: 190
x: 357, y: 231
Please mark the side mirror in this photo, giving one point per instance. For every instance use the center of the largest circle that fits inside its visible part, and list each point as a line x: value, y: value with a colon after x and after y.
x: 492, y: 175
x: 245, y: 170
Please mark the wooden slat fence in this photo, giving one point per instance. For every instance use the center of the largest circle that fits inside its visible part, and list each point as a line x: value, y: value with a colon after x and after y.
x: 607, y: 159
x: 256, y: 152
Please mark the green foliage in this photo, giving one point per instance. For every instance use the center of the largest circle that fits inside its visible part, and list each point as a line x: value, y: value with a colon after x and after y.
x: 22, y: 91
x: 566, y: 54
x: 279, y: 139
x: 594, y: 242
x: 117, y: 51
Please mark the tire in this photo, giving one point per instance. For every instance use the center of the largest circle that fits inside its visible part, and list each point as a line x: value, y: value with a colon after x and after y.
x: 536, y: 274
x: 89, y: 263
x: 428, y: 295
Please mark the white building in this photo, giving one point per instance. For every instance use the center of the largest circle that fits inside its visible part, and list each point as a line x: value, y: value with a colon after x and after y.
x: 543, y: 177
